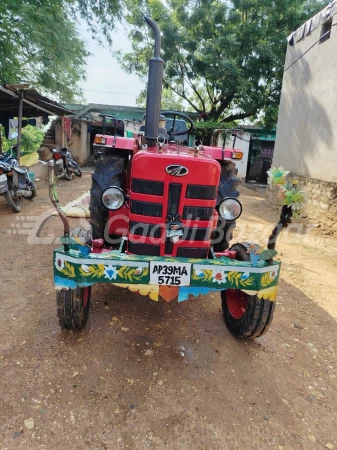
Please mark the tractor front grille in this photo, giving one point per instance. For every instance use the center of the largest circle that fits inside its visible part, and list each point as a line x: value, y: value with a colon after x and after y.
x: 146, y: 208
x: 192, y: 212
x: 147, y: 187
x: 201, y: 192
x: 143, y: 230
x: 158, y: 199
x: 144, y: 249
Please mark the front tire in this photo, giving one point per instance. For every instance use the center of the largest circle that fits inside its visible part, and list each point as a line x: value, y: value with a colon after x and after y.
x: 246, y: 316
x: 108, y: 172
x: 227, y: 189
x: 13, y: 201
x: 73, y: 307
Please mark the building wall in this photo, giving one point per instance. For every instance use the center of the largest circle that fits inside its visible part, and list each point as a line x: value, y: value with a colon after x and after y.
x: 132, y: 126
x: 306, y: 140
x: 80, y: 140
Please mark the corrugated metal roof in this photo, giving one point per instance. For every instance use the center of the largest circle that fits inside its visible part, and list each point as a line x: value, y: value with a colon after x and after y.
x: 310, y: 25
x: 34, y: 103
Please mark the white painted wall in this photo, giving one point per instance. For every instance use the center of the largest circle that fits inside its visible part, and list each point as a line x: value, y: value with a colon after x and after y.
x: 132, y: 126
x: 240, y: 144
x: 306, y: 139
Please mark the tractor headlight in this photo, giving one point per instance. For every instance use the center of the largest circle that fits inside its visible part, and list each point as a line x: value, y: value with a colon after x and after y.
x: 113, y: 198
x: 230, y: 209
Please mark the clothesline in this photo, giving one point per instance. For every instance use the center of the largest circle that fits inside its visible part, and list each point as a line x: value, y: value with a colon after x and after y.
x: 11, y: 125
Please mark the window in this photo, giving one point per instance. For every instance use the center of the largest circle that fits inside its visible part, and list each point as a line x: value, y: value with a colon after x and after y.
x: 326, y: 31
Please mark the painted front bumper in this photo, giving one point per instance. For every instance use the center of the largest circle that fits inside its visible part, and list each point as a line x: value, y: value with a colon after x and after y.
x: 71, y: 269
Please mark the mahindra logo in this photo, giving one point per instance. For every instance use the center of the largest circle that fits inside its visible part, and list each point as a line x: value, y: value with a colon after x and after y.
x: 177, y: 171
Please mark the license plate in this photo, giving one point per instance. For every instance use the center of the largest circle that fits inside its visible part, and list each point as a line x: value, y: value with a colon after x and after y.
x: 174, y: 233
x: 3, y: 178
x: 172, y: 274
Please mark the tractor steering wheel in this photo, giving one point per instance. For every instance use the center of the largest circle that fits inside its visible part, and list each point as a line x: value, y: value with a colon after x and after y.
x: 175, y: 114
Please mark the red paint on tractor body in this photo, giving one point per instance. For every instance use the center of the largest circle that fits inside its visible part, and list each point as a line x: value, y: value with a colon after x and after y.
x: 171, y: 196
x: 120, y: 143
x: 219, y: 154
x: 118, y: 221
x: 159, y: 201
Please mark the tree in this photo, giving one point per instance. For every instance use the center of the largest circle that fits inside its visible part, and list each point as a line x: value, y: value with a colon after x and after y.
x: 224, y: 58
x: 31, y: 139
x: 169, y: 100
x: 40, y: 45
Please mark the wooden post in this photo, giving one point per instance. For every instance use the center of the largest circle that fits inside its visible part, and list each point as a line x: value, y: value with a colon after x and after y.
x: 62, y: 131
x: 18, y: 148
x: 0, y: 139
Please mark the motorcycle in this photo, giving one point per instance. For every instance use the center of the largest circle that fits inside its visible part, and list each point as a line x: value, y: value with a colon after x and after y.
x: 14, y: 182
x: 65, y: 165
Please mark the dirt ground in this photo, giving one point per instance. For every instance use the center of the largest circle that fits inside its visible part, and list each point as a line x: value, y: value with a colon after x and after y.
x: 165, y: 375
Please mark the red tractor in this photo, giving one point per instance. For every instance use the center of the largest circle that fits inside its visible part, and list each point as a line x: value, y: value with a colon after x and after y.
x: 162, y: 216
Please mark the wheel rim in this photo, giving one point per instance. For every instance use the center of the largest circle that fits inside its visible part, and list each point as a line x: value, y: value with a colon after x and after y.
x: 85, y: 296
x: 15, y: 198
x: 237, y: 302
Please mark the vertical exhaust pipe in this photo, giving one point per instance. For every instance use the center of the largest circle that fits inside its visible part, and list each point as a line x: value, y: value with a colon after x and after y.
x: 154, y: 88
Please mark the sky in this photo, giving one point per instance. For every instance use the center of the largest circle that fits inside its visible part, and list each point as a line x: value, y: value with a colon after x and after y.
x: 105, y: 74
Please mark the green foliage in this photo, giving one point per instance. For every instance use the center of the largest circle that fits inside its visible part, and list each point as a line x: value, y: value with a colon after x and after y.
x: 204, y: 130
x: 101, y: 16
x: 31, y: 139
x: 169, y: 101
x: 40, y: 45
x: 224, y: 58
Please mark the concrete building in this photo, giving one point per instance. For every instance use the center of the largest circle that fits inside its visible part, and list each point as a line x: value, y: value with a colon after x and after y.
x: 306, y: 139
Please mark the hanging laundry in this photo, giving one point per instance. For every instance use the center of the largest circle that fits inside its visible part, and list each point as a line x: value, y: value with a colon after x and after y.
x: 38, y: 122
x: 5, y: 122
x: 13, y: 128
x: 67, y: 127
x: 32, y: 122
x: 45, y: 120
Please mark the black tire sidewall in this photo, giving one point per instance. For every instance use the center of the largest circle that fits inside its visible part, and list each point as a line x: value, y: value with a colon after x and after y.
x: 242, y: 328
x: 71, y: 313
x: 259, y: 312
x: 80, y: 313
x: 109, y: 171
x: 15, y: 207
x: 227, y: 189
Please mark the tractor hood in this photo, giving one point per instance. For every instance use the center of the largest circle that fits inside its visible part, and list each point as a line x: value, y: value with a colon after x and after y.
x: 170, y: 192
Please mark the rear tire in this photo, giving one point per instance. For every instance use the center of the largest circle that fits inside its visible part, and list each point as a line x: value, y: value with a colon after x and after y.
x: 31, y: 196
x: 73, y: 307
x: 227, y: 189
x: 246, y: 316
x: 13, y: 202
x: 68, y: 176
x: 108, y: 172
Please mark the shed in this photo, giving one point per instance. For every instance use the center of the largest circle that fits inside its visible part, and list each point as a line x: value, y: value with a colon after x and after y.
x: 23, y: 101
